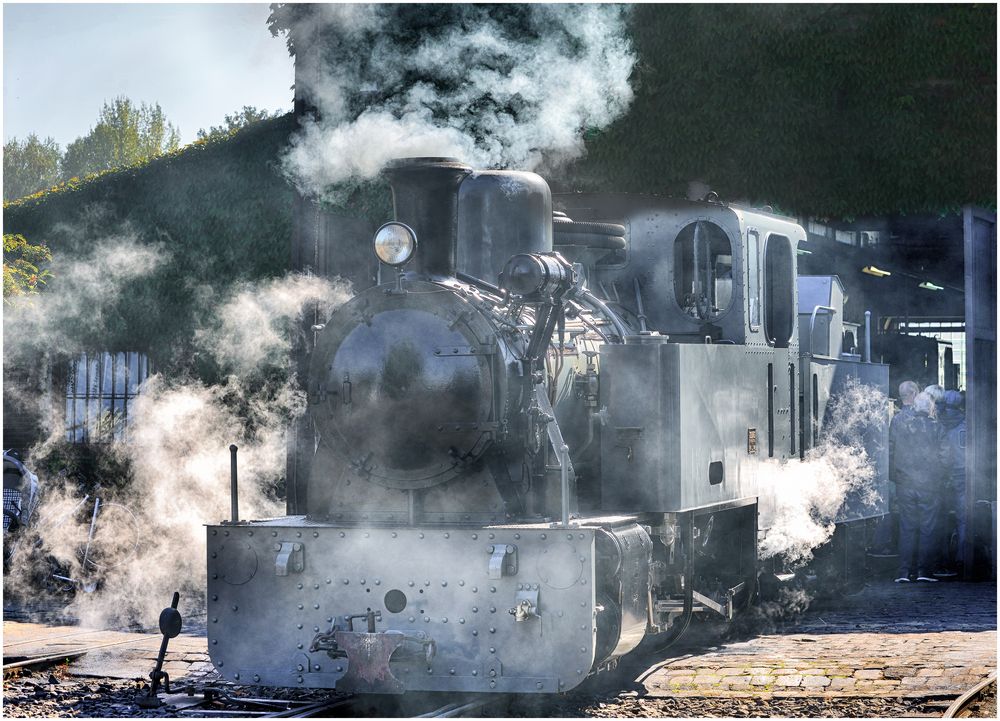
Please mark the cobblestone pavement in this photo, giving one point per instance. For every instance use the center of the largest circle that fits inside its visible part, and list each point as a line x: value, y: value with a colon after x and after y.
x: 891, y: 639
x: 110, y: 654
x: 892, y: 650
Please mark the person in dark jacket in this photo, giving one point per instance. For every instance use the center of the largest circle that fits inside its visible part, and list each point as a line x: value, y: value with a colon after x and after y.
x: 950, y: 412
x: 883, y: 543
x: 953, y: 422
x: 953, y: 493
x: 916, y: 445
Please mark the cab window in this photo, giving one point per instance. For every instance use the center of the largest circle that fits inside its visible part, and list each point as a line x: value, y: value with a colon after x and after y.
x: 779, y: 291
x: 703, y: 270
x: 753, y: 279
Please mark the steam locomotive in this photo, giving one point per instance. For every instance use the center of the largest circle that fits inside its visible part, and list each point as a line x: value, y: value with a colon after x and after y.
x: 537, y: 440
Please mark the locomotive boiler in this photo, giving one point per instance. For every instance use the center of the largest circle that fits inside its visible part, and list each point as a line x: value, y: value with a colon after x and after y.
x: 537, y: 441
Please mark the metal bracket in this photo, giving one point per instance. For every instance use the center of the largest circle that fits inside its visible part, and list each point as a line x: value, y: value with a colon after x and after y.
x: 503, y: 561
x: 364, y: 466
x: 525, y: 606
x: 289, y: 558
x: 459, y: 319
x: 302, y: 663
x: 725, y: 609
x: 494, y: 669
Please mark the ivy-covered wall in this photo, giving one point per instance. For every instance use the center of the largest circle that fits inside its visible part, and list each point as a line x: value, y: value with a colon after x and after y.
x: 222, y: 210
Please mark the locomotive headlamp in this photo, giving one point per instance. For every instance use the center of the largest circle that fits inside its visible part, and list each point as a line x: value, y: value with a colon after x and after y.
x: 395, y: 243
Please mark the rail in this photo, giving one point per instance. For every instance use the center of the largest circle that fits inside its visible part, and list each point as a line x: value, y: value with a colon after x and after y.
x: 969, y: 697
x: 66, y: 656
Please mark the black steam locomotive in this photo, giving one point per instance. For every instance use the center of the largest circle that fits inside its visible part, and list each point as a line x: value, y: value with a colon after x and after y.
x: 537, y: 440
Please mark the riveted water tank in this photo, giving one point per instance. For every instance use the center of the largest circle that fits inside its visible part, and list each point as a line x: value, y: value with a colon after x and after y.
x: 501, y: 213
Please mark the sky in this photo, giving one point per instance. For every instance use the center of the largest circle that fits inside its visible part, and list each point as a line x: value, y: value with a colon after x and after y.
x: 198, y: 61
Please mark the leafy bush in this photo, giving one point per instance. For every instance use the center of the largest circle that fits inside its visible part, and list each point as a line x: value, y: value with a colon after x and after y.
x: 23, y: 266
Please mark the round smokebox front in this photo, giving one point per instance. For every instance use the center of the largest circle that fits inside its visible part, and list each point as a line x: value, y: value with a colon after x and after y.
x: 402, y: 385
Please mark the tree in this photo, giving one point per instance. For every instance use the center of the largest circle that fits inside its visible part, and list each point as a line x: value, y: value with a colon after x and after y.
x: 29, y: 166
x: 124, y: 135
x: 238, y: 120
x: 23, y: 266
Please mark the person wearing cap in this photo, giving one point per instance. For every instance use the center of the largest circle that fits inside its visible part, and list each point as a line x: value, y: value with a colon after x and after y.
x: 882, y: 542
x: 917, y: 447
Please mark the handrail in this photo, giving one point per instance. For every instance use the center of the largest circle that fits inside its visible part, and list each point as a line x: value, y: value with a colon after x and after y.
x: 812, y: 324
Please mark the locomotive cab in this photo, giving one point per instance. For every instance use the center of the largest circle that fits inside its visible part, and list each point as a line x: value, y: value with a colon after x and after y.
x: 691, y: 269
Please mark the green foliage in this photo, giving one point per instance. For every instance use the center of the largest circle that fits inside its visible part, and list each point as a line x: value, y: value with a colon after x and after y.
x: 124, y: 135
x: 92, y: 467
x: 29, y: 165
x: 836, y: 110
x: 235, y: 122
x: 221, y: 210
x: 23, y: 266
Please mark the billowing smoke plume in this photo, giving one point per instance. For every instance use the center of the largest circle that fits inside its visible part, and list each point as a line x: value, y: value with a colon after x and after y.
x: 800, y: 502
x: 149, y: 538
x: 496, y: 86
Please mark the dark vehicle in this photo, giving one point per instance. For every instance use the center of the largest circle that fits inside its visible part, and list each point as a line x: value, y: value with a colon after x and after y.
x: 537, y: 441
x: 20, y: 498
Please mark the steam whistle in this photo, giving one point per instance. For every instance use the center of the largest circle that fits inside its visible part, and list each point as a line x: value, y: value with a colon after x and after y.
x: 170, y: 627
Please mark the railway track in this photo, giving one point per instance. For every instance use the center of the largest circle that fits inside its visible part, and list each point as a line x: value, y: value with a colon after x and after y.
x: 978, y: 702
x: 37, y: 662
x: 211, y: 705
x: 876, y: 656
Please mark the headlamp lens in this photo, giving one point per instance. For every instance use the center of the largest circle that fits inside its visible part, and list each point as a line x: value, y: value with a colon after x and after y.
x: 395, y: 243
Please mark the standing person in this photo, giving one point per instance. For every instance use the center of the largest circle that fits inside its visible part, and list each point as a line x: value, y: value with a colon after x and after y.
x: 917, y: 449
x: 936, y: 393
x: 953, y: 422
x: 950, y: 412
x: 907, y: 392
x: 886, y: 529
x: 948, y: 417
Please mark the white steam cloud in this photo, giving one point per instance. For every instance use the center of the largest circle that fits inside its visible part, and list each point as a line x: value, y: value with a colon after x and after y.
x: 514, y: 87
x: 89, y: 286
x: 250, y: 330
x: 800, y: 502
x: 150, y: 539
